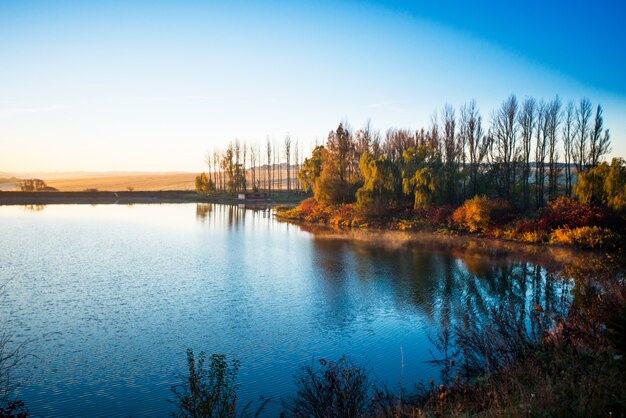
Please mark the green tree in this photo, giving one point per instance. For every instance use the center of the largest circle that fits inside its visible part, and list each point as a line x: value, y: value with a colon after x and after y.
x: 590, y: 187
x: 604, y: 185
x: 311, y: 169
x: 380, y: 184
x: 420, y: 169
x: 615, y: 185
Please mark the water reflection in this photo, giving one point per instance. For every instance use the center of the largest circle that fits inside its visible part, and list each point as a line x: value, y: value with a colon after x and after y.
x: 444, y: 281
x: 33, y: 208
x: 112, y: 310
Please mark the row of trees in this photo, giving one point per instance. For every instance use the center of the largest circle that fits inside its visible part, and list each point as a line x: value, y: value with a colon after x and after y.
x: 242, y: 167
x: 527, y: 153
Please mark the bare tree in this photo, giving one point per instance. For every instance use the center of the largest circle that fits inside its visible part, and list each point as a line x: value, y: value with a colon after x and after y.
x: 554, y: 120
x: 505, y: 132
x: 541, y: 147
x: 253, y: 166
x: 450, y: 152
x: 471, y: 128
x: 583, y: 116
x: 598, y: 144
x: 568, y: 137
x: 527, y: 121
x: 268, y: 177
x: 288, y: 160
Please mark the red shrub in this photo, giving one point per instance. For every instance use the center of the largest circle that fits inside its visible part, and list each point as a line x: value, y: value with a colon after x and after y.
x: 570, y: 213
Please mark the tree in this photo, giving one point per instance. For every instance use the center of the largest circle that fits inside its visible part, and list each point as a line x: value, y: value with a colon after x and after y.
x: 268, y: 177
x: 311, y: 169
x: 472, y: 131
x: 541, y: 150
x: 527, y: 123
x: 505, y: 134
x: 339, y: 145
x: 288, y: 160
x: 598, y: 144
x: 334, y: 185
x: 568, y: 137
x: 380, y: 184
x: 615, y: 185
x: 420, y: 168
x: 328, y: 187
x: 451, y: 154
x: 554, y: 120
x: 34, y: 185
x: 583, y: 115
x: 604, y: 185
x: 590, y: 186
x: 204, y: 184
x: 228, y: 167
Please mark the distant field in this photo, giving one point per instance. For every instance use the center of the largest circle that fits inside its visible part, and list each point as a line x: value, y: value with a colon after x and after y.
x: 151, y: 182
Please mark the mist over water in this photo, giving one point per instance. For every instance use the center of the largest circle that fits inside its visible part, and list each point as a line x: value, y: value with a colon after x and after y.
x: 109, y: 297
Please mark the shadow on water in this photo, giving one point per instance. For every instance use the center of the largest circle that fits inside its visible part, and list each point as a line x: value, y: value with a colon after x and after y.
x: 445, y: 279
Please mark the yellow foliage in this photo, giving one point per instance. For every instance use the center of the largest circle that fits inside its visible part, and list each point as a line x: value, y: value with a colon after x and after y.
x: 473, y: 215
x: 586, y: 236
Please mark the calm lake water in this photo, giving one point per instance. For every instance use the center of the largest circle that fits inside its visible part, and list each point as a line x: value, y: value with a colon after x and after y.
x: 109, y: 297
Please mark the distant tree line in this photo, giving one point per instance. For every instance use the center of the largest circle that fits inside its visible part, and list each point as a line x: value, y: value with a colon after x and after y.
x: 527, y: 153
x: 35, y: 185
x: 253, y: 167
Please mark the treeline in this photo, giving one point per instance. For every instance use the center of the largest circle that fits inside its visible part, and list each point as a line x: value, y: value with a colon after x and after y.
x: 245, y: 167
x: 527, y: 153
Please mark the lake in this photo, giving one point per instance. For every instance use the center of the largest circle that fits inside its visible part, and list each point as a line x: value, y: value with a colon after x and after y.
x: 109, y: 297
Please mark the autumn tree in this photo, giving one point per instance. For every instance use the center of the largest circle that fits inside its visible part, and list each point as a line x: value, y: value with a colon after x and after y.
x: 204, y: 184
x: 311, y: 169
x: 334, y: 184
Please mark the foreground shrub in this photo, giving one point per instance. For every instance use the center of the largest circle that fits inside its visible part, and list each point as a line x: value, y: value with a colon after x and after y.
x: 209, y: 390
x: 331, y: 389
x: 480, y: 213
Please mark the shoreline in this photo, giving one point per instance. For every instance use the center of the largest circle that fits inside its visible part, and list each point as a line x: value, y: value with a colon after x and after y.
x: 94, y: 198
x: 12, y: 198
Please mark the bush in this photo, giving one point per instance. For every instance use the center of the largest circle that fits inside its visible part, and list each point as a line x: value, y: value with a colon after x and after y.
x: 585, y: 236
x: 480, y: 213
x: 569, y: 213
x: 434, y: 215
x: 208, y: 391
x: 333, y: 389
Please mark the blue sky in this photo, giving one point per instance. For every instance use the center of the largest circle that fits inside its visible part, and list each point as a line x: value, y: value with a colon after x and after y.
x: 101, y: 86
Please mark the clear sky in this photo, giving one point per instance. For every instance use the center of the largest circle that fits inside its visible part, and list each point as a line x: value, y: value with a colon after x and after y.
x: 154, y: 85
